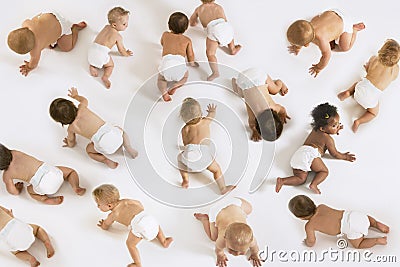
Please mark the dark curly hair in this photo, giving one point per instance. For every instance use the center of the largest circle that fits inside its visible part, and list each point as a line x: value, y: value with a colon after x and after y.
x: 178, y: 22
x: 63, y: 111
x: 321, y: 114
x: 5, y: 157
x: 269, y: 125
x: 302, y: 206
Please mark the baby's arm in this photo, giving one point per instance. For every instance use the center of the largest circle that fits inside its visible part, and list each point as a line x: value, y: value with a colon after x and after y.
x: 219, y: 251
x: 190, y: 55
x: 105, y: 224
x: 121, y: 49
x: 366, y: 65
x: 193, y: 18
x: 255, y: 136
x: 326, y: 55
x: 282, y: 113
x: 70, y: 140
x: 294, y: 49
x: 330, y: 145
x: 14, y: 189
x: 276, y: 86
x: 254, y: 257
x: 73, y: 93
x: 310, y: 232
x: 30, y: 65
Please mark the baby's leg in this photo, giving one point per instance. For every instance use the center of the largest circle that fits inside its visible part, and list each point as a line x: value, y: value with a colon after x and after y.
x: 44, y: 198
x: 127, y: 145
x: 219, y: 178
x: 368, y: 242
x: 211, y: 49
x: 71, y: 176
x: 321, y: 172
x: 184, y: 174
x: 347, y: 93
x: 67, y: 42
x: 41, y: 234
x: 93, y: 71
x: 368, y: 116
x: 204, y: 219
x: 178, y: 84
x: 162, y: 85
x: 378, y: 225
x: 108, y: 68
x: 236, y: 88
x: 100, y: 157
x: 165, y: 241
x: 131, y: 243
x: 234, y: 49
x: 26, y: 256
x: 298, y: 177
x: 346, y: 40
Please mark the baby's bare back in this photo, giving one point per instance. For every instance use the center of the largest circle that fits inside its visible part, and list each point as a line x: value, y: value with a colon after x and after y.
x: 107, y: 36
x: 198, y: 133
x: 86, y: 123
x: 318, y: 140
x: 379, y: 75
x: 258, y: 99
x: 209, y: 12
x: 174, y: 44
x: 4, y: 218
x: 23, y: 166
x: 229, y: 215
x: 328, y: 26
x: 126, y: 210
x: 327, y: 220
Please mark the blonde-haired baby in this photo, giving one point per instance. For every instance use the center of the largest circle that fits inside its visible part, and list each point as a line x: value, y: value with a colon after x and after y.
x: 98, y: 54
x: 197, y: 154
x: 130, y: 213
x: 381, y: 71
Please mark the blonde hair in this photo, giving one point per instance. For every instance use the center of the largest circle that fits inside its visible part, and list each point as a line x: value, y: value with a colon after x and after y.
x: 116, y: 13
x: 190, y: 110
x: 21, y: 40
x: 389, y: 54
x: 207, y: 1
x: 106, y: 193
x: 239, y: 234
x: 300, y: 33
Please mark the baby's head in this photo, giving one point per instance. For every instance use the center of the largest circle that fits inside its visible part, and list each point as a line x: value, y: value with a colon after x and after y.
x: 207, y: 1
x: 300, y: 33
x: 302, y: 207
x: 5, y: 158
x: 118, y: 18
x: 178, y: 22
x: 326, y: 119
x: 63, y: 110
x: 269, y: 125
x: 389, y: 54
x: 21, y: 40
x: 238, y: 238
x: 190, y: 111
x: 105, y: 195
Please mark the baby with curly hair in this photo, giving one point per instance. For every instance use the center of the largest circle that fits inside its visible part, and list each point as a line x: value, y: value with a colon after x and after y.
x: 381, y: 71
x: 308, y: 156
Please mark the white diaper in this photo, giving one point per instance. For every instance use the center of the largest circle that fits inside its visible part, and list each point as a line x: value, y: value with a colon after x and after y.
x: 303, y: 158
x: 47, y: 179
x: 172, y: 67
x: 64, y: 23
x: 366, y: 94
x: 354, y: 224
x: 107, y: 139
x: 250, y: 78
x: 196, y: 157
x: 347, y: 22
x: 17, y: 235
x: 144, y: 226
x: 98, y: 55
x: 217, y: 207
x: 220, y: 30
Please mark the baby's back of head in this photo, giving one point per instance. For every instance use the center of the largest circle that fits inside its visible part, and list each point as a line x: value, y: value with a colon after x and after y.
x: 116, y: 13
x: 5, y: 157
x: 389, y: 54
x: 300, y: 33
x: 106, y: 194
x: 269, y: 125
x: 302, y: 206
x: 239, y: 236
x: 178, y: 22
x: 63, y: 110
x: 21, y: 40
x: 190, y: 110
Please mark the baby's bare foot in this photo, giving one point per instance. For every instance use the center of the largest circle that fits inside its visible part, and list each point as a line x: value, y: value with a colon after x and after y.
x: 80, y: 191
x: 49, y: 249
x: 166, y: 97
x: 354, y: 128
x: 381, y: 240
x: 227, y: 189
x: 185, y: 184
x: 81, y: 25
x: 34, y: 262
x: 93, y: 71
x: 213, y: 76
x: 201, y: 216
x: 315, y: 189
x: 133, y: 265
x: 54, y: 200
x: 111, y: 164
x: 343, y: 95
x: 106, y: 82
x: 359, y: 26
x: 236, y: 49
x: 131, y: 152
x: 167, y: 242
x: 279, y: 184
x: 382, y: 227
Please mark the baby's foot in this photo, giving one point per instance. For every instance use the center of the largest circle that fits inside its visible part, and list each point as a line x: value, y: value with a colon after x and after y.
x: 201, y: 216
x: 167, y: 242
x: 315, y: 189
x: 382, y: 227
x: 49, y: 249
x: 354, y: 128
x: 381, y: 240
x: 93, y: 71
x: 131, y: 152
x: 235, y: 50
x: 343, y: 95
x: 227, y: 189
x: 106, y: 82
x: 111, y: 164
x: 132, y: 265
x: 54, y: 200
x: 173, y: 89
x: 185, y: 184
x: 359, y: 26
x: 166, y: 97
x: 80, y: 191
x: 34, y: 262
x: 79, y: 26
x: 279, y: 184
x: 213, y: 76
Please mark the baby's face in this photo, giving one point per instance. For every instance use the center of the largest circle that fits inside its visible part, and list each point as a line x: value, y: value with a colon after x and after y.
x: 122, y: 23
x: 334, y: 125
x: 236, y: 251
x: 102, y: 206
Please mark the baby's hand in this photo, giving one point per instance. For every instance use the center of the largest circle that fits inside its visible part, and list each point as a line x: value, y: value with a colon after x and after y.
x: 19, y: 186
x: 73, y: 92
x: 221, y: 260
x: 340, y: 128
x: 211, y: 108
x: 24, y: 68
x: 255, y: 136
x: 284, y: 90
x: 349, y: 157
x: 255, y: 260
x: 101, y: 224
x: 294, y: 49
x: 67, y: 144
x: 129, y: 53
x: 314, y: 70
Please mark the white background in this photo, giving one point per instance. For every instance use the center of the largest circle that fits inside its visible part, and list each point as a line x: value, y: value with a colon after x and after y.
x: 369, y: 184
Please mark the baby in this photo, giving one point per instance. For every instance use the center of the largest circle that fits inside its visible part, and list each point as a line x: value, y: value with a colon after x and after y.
x: 330, y: 221
x: 105, y: 139
x: 176, y: 47
x: 43, y: 179
x: 98, y: 56
x: 266, y: 118
x: 331, y: 30
x: 308, y: 157
x: 19, y: 236
x: 219, y: 32
x: 226, y: 225
x: 129, y: 213
x: 197, y: 155
x: 381, y: 71
x: 42, y: 31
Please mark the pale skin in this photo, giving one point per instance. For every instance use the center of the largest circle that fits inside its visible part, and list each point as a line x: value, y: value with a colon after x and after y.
x: 328, y: 27
x: 110, y: 36
x: 205, y: 13
x: 380, y: 76
x: 47, y: 31
x: 328, y: 221
x: 319, y: 138
x: 87, y: 124
x: 175, y: 44
x: 24, y: 166
x: 216, y: 232
x: 6, y: 216
x: 259, y: 99
x: 199, y: 133
x: 123, y: 211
